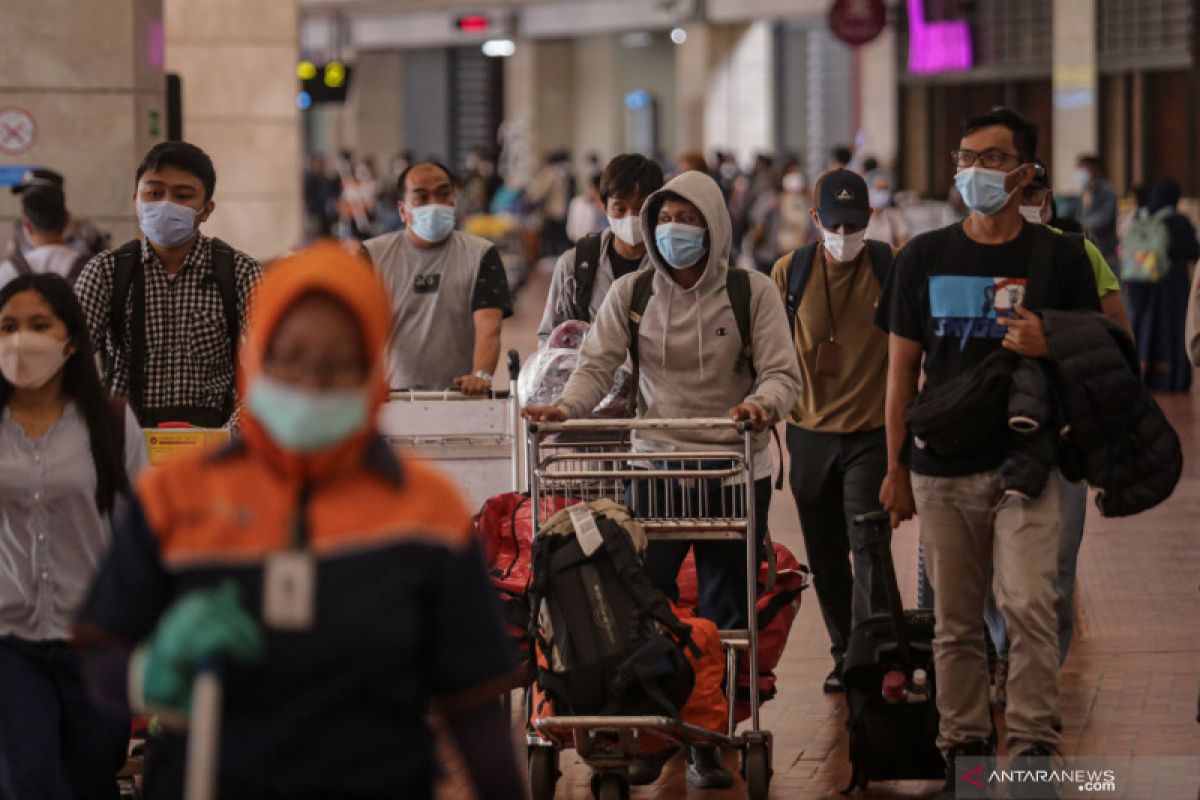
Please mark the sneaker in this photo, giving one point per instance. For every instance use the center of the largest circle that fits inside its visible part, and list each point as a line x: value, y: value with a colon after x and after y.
x: 1000, y: 684
x: 645, y: 769
x: 1022, y: 758
x: 833, y: 681
x: 975, y: 747
x: 705, y: 770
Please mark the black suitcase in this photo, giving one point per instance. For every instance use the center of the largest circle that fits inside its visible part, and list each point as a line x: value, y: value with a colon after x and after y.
x: 890, y: 741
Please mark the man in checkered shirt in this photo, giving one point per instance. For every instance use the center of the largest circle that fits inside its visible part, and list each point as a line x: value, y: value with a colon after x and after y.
x: 172, y: 353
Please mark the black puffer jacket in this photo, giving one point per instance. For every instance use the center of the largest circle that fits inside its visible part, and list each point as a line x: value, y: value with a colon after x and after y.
x: 1127, y: 448
x: 1085, y: 410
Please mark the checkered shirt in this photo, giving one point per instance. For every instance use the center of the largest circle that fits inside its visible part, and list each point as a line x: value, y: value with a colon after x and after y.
x: 187, y: 344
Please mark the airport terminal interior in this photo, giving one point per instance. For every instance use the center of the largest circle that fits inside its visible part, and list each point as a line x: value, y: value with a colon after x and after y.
x: 599, y: 398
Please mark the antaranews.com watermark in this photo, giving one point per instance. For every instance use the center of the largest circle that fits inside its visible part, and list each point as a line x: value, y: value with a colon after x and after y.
x: 1050, y: 778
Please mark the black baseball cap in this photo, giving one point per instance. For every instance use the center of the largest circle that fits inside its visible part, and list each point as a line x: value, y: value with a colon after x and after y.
x: 39, y: 177
x: 843, y: 199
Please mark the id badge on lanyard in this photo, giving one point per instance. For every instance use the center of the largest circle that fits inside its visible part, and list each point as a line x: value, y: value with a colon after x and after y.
x: 289, y: 597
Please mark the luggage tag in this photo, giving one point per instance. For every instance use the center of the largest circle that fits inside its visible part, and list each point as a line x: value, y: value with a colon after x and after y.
x: 289, y: 591
x: 586, y: 533
x: 829, y: 358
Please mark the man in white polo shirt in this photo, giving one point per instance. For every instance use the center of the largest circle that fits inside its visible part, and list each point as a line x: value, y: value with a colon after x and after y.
x: 448, y: 290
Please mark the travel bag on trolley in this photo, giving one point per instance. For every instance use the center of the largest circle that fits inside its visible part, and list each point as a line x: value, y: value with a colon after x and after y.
x: 593, y: 462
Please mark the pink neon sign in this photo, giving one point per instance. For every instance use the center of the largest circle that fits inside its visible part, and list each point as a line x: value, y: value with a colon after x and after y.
x: 936, y: 46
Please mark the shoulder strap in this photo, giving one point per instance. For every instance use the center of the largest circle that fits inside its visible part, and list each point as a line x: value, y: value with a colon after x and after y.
x: 117, y: 407
x: 19, y: 262
x: 737, y: 284
x: 224, y: 266
x: 798, y: 271
x: 77, y: 268
x: 128, y: 271
x: 1041, y: 258
x: 880, y: 254
x: 643, y: 288
x: 587, y: 263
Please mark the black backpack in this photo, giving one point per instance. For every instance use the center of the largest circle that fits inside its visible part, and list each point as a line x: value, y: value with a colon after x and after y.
x: 610, y: 642
x: 587, y: 263
x: 800, y: 267
x: 737, y: 285
x: 129, y: 278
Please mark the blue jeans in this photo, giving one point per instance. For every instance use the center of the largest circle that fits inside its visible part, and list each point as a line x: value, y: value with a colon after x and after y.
x: 1073, y: 498
x: 720, y: 565
x: 55, y: 744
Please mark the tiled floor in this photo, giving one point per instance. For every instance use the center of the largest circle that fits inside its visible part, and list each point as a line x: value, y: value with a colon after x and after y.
x: 1129, y: 686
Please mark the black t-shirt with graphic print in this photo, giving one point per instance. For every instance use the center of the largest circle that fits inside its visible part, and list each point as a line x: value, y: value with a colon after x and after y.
x: 946, y: 292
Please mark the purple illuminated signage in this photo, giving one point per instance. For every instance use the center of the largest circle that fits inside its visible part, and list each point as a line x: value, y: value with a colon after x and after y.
x: 936, y: 46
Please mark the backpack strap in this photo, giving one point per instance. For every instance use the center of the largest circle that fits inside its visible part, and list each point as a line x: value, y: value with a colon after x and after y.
x: 643, y: 289
x: 799, y: 269
x: 116, y: 407
x: 128, y: 274
x: 587, y: 264
x: 77, y: 268
x: 19, y: 262
x: 880, y: 255
x: 224, y: 266
x: 737, y: 284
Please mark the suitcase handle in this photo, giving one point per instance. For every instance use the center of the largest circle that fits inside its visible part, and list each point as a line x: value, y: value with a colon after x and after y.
x: 878, y: 525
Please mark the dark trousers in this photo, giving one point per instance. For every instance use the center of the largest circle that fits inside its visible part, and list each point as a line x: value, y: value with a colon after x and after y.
x: 720, y: 565
x: 835, y: 477
x: 54, y: 743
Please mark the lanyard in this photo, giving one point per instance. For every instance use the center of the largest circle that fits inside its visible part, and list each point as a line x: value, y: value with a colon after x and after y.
x: 828, y: 296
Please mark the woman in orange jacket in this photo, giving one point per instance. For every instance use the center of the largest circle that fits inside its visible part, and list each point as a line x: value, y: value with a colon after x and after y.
x: 337, y: 584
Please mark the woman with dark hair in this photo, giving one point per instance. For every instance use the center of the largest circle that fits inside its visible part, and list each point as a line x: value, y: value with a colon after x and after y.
x: 56, y: 510
x: 1158, y: 311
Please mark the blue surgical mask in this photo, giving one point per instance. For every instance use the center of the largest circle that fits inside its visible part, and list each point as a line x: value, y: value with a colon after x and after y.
x: 305, y: 421
x: 681, y: 245
x: 1083, y: 178
x: 433, y: 222
x: 165, y: 223
x: 983, y: 189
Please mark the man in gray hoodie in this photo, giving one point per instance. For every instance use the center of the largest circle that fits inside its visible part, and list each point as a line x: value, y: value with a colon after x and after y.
x: 691, y: 354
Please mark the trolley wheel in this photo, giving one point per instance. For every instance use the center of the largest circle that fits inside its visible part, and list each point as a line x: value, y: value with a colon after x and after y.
x: 610, y: 786
x: 756, y: 769
x: 543, y: 772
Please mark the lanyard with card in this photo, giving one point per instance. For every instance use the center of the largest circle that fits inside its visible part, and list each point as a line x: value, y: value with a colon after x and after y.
x: 829, y: 354
x: 289, y: 598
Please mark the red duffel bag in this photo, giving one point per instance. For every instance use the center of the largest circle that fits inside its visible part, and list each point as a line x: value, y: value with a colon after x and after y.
x: 777, y: 610
x: 505, y: 529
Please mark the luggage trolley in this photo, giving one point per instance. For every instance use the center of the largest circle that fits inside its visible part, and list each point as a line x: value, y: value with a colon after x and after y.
x: 589, y: 459
x: 473, y: 439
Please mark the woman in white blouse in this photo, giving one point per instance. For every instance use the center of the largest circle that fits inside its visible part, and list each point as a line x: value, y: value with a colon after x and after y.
x: 67, y: 456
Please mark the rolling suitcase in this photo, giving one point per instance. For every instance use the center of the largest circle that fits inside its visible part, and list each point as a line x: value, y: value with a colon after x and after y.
x: 893, y: 718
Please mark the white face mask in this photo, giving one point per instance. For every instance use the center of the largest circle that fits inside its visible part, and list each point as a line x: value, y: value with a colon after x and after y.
x: 627, y: 228
x: 793, y: 182
x: 844, y: 246
x: 1032, y: 214
x: 30, y: 360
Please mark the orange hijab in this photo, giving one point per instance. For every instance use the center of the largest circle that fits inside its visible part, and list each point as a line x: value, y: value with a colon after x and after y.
x: 327, y: 269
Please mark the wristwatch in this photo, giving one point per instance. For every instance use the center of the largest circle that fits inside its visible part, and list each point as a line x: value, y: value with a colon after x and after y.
x: 482, y: 375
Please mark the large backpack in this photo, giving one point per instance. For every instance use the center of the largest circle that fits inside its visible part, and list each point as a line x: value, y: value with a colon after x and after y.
x: 800, y: 267
x: 23, y: 267
x: 737, y: 285
x: 129, y: 279
x: 609, y: 642
x: 1145, y: 249
x: 587, y: 264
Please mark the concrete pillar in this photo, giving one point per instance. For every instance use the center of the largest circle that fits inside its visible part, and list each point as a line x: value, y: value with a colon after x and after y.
x: 739, y: 107
x: 692, y: 59
x: 377, y: 102
x: 877, y: 97
x: 89, y: 76
x: 237, y: 61
x: 1076, y: 101
x: 539, y: 102
x: 598, y: 104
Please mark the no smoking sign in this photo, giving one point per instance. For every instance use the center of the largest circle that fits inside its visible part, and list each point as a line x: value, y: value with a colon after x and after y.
x: 18, y: 131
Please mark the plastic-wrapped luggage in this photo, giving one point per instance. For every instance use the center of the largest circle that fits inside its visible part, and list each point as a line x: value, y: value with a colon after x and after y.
x: 547, y: 371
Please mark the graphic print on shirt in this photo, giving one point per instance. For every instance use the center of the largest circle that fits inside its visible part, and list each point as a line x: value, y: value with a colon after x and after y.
x: 966, y: 307
x: 426, y: 284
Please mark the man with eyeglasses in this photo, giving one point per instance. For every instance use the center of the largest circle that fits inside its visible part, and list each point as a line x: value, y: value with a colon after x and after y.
x: 955, y: 296
x: 448, y: 289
